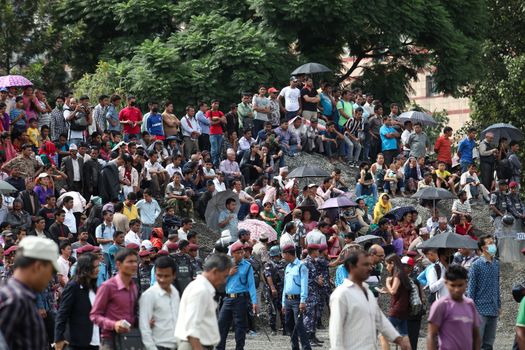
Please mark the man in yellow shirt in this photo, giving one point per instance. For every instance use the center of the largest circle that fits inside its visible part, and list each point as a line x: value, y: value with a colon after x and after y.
x: 130, y: 209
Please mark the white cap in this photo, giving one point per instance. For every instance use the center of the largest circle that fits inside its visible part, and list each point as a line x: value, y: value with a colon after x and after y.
x: 283, y: 169
x: 42, y: 175
x: 40, y: 248
x: 73, y: 147
x: 147, y: 244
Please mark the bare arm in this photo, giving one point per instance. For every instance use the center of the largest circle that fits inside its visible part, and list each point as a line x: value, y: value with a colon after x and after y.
x: 433, y: 331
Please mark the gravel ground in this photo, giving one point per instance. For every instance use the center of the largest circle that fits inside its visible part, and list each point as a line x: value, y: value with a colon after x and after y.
x: 510, y: 273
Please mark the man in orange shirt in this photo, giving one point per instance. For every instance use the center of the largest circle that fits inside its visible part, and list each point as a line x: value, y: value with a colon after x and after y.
x: 443, y: 147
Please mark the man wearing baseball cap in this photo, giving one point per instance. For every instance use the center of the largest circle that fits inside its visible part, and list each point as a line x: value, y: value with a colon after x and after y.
x: 21, y: 324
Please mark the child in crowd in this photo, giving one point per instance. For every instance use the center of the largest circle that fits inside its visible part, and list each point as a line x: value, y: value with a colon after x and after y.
x: 34, y: 134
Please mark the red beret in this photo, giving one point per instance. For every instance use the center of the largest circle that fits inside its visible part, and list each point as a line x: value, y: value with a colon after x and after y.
x: 412, y: 253
x: 248, y: 247
x: 236, y: 247
x: 162, y: 252
x: 96, y: 249
x: 10, y: 250
x: 144, y: 253
x: 289, y: 248
x: 322, y: 247
x: 85, y: 249
x: 172, y: 246
x: 193, y: 246
x: 133, y: 246
x: 314, y: 246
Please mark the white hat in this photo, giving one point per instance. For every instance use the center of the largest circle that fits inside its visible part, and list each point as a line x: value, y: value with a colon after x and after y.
x: 40, y: 248
x: 73, y: 147
x: 283, y: 169
x: 43, y: 175
x: 147, y: 244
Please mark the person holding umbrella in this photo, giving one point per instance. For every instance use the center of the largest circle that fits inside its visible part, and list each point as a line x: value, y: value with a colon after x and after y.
x: 487, y: 160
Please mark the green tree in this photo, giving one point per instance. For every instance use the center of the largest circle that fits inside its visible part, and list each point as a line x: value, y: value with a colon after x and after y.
x: 406, y: 36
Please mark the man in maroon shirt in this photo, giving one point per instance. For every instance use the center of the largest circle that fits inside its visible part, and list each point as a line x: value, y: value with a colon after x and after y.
x: 442, y: 147
x: 131, y: 118
x: 114, y: 309
x: 218, y: 121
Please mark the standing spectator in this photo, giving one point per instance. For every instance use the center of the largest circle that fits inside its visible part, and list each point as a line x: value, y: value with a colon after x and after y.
x: 275, y: 110
x: 408, y: 129
x: 483, y: 289
x: 73, y: 326
x: 190, y: 132
x: 63, y: 264
x: 120, y: 220
x: 290, y: 99
x: 515, y: 161
x: 112, y: 115
x: 389, y: 136
x: 197, y: 325
x: 245, y: 112
x: 453, y: 320
x: 149, y: 211
x: 204, y: 123
x: 131, y: 118
x: 487, y: 160
x: 109, y: 183
x: 261, y: 108
x: 418, y: 142
x: 170, y: 121
x: 115, y: 302
x: 58, y: 230
x: 327, y: 102
x: 443, y: 147
x: 20, y: 322
x: 104, y: 232
x: 217, y: 121
x: 160, y: 303
x: 155, y: 124
x: 99, y: 115
x: 310, y: 99
x: 466, y: 148
x: 345, y: 109
x: 79, y: 115
x: 58, y: 125
x: 73, y: 167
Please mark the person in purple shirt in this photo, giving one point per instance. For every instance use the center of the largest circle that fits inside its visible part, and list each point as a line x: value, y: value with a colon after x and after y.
x: 288, y: 141
x: 44, y: 187
x: 4, y: 116
x: 114, y: 309
x: 453, y: 319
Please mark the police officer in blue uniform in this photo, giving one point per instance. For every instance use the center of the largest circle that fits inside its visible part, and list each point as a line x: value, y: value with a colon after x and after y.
x: 295, y: 293
x: 239, y: 285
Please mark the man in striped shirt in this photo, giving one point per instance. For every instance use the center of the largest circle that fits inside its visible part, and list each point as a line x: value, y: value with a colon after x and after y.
x: 353, y: 143
x: 20, y: 321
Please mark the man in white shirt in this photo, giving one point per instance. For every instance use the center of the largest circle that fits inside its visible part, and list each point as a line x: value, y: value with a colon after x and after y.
x: 316, y: 236
x: 70, y: 221
x: 287, y: 237
x: 156, y: 174
x: 63, y: 263
x: 197, y: 323
x: 405, y: 136
x: 355, y: 317
x: 184, y: 230
x: 291, y: 96
x: 191, y: 131
x: 469, y: 182
x: 220, y: 185
x: 133, y: 235
x: 159, y: 308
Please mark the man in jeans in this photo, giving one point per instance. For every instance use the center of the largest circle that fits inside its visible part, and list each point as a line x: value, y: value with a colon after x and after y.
x: 483, y: 288
x: 389, y: 137
x: 217, y: 121
x: 292, y: 99
x: 354, y: 127
x: 114, y: 309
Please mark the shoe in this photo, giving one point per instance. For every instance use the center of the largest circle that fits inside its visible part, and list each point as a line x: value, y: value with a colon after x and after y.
x: 252, y: 333
x: 315, y: 345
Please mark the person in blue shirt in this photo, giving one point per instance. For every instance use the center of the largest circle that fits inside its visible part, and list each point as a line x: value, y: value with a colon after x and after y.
x: 295, y: 293
x: 465, y: 150
x: 154, y: 124
x: 239, y: 285
x: 389, y: 137
x: 204, y: 123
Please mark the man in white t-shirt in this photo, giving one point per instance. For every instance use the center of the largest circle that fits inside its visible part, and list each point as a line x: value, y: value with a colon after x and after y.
x: 291, y: 96
x: 63, y: 263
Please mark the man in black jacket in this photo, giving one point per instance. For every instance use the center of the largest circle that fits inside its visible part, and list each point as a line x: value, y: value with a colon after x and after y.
x: 90, y: 173
x: 73, y: 166
x: 108, y: 182
x: 30, y: 200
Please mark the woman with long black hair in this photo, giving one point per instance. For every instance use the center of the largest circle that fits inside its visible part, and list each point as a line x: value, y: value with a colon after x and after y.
x: 73, y: 325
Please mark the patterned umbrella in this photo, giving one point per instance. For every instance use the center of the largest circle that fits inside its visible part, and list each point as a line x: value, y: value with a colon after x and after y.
x: 416, y: 116
x: 14, y: 80
x: 257, y: 228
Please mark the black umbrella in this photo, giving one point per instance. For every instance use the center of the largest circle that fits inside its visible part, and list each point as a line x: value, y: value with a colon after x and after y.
x: 308, y: 171
x: 508, y: 131
x: 311, y: 68
x: 306, y: 205
x: 369, y: 238
x: 449, y: 240
x: 434, y: 194
x: 398, y: 212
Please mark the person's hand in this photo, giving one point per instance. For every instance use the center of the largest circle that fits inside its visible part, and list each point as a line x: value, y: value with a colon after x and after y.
x: 320, y: 280
x: 274, y: 293
x: 120, y: 328
x: 42, y: 313
x: 59, y: 345
x: 403, y: 343
x: 152, y: 323
x: 255, y: 309
x: 283, y: 310
x: 233, y: 270
x: 302, y: 307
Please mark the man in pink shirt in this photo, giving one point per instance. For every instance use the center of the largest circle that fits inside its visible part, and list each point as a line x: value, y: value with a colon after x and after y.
x: 131, y: 118
x: 114, y: 309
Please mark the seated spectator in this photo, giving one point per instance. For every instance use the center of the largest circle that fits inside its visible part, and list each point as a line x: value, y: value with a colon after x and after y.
x: 470, y: 183
x: 442, y: 227
x: 244, y: 198
x: 230, y: 168
x: 464, y: 227
x: 17, y: 217
x: 288, y: 141
x: 332, y: 142
x: 313, y: 139
x: 251, y: 164
x: 245, y: 143
x: 365, y: 185
x: 382, y: 207
x: 445, y: 179
x: 156, y: 176
x: 177, y: 197
x: 298, y: 129
x: 460, y: 207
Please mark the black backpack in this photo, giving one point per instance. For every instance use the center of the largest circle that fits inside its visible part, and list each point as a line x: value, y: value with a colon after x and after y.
x: 504, y: 169
x: 79, y: 123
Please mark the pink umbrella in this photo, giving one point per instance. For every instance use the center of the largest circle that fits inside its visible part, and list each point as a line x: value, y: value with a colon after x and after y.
x: 257, y: 228
x: 14, y: 80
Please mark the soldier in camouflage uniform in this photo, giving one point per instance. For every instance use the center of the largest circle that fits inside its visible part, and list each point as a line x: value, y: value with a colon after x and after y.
x: 315, y: 283
x: 257, y: 267
x: 144, y: 270
x: 326, y: 288
x: 195, y: 260
x: 273, y: 288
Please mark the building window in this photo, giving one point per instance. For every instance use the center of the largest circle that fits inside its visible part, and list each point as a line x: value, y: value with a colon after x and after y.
x: 431, y: 88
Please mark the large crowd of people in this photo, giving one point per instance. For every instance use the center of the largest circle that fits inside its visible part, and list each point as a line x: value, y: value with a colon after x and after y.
x: 106, y: 197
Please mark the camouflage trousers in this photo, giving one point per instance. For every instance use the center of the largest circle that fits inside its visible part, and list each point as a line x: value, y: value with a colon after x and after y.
x: 274, y: 307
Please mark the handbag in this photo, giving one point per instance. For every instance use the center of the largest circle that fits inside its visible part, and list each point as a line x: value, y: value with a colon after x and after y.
x: 129, y: 341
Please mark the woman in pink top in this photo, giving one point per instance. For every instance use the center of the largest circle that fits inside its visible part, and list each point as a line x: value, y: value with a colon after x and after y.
x: 308, y: 223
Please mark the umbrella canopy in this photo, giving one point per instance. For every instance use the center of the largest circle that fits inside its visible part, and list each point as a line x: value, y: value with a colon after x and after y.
x: 449, y: 240
x: 308, y: 171
x: 338, y: 202
x: 257, y: 228
x: 217, y: 204
x: 14, y: 80
x: 6, y: 187
x: 79, y: 202
x: 368, y: 238
x: 508, y: 131
x: 417, y: 116
x: 306, y: 207
x: 311, y: 68
x: 398, y: 212
x: 433, y: 193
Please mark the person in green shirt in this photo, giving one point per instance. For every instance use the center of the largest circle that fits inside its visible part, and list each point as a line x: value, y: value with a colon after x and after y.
x: 345, y: 108
x: 520, y: 325
x: 245, y: 112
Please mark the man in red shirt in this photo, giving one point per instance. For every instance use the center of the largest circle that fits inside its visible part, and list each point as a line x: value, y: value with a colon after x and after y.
x: 131, y: 118
x: 218, y: 121
x: 442, y: 147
